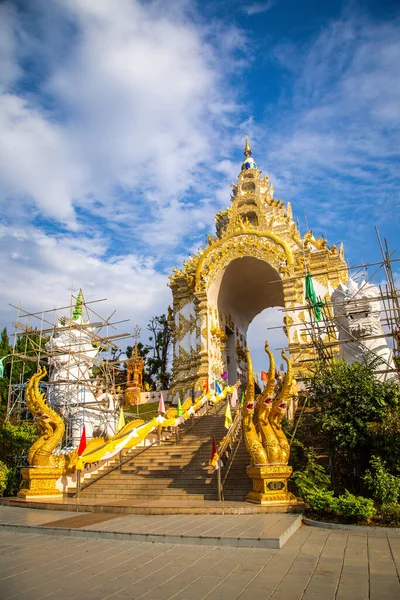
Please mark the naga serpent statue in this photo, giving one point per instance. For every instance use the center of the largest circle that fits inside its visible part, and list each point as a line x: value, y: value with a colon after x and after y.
x: 268, y: 445
x: 49, y: 424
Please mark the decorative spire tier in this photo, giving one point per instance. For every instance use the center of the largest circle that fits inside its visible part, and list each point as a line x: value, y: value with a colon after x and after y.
x: 248, y: 162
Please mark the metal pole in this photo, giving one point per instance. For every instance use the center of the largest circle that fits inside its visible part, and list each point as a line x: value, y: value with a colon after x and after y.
x: 219, y: 483
x: 78, y: 484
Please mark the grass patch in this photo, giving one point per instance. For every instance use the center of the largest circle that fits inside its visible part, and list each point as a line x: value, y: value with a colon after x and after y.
x: 142, y: 411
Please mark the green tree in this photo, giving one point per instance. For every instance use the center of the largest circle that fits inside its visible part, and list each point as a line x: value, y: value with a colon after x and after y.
x: 5, y: 351
x: 348, y: 403
x: 160, y: 342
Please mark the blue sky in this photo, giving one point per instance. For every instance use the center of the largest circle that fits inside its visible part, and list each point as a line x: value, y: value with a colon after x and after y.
x: 122, y: 127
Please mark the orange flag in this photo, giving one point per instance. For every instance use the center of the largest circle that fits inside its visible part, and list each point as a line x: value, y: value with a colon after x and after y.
x: 264, y: 376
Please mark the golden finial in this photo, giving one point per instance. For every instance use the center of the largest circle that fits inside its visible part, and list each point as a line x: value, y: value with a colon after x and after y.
x: 247, y: 149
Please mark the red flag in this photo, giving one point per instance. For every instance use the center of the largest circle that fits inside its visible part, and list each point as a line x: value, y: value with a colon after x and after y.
x: 82, y: 443
x: 207, y: 386
x: 214, y: 448
x: 264, y: 376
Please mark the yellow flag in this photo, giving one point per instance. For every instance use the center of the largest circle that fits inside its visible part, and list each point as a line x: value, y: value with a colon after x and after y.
x: 121, y: 420
x: 228, y: 416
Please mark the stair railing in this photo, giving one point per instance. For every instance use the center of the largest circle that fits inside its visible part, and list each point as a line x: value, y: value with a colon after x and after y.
x: 228, y: 449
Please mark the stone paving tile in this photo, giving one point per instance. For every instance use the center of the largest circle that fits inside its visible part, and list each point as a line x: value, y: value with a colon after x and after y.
x: 314, y: 564
x: 47, y: 575
x: 302, y: 568
x: 383, y: 576
x: 394, y: 545
x: 354, y: 578
x: 168, y: 581
x: 48, y: 549
x: 200, y: 525
x: 259, y: 525
x: 23, y: 516
x: 324, y: 580
x: 132, y: 573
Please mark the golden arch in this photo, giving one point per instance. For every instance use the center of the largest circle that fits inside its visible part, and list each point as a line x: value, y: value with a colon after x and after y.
x: 263, y: 245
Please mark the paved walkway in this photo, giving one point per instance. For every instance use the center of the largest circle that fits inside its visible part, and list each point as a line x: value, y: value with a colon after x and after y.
x: 314, y: 564
x: 246, y: 531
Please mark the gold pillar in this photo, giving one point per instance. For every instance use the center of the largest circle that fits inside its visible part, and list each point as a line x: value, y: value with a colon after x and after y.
x: 270, y: 485
x: 40, y: 482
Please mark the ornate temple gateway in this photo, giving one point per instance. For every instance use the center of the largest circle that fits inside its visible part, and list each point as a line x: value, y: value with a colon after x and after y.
x: 256, y: 260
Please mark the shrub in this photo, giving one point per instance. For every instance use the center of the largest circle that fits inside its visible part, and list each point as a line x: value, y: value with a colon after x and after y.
x: 355, y: 507
x: 321, y: 500
x: 3, y: 477
x: 384, y: 487
x: 312, y: 478
x: 391, y: 512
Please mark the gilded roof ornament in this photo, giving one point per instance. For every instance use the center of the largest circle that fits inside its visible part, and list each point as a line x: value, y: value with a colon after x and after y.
x: 247, y: 149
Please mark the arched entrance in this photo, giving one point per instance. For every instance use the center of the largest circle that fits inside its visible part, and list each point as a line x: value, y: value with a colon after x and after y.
x: 256, y: 260
x: 242, y: 290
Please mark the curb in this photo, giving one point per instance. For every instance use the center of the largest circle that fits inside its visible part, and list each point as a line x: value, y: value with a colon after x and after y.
x: 354, y: 528
x: 242, y: 509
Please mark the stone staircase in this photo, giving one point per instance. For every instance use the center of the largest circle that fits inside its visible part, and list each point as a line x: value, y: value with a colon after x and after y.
x: 174, y: 472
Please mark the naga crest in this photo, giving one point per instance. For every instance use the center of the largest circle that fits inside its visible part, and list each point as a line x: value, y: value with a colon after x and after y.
x: 49, y: 425
x: 262, y: 417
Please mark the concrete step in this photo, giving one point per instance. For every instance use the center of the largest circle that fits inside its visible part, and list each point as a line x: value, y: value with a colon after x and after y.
x: 175, y: 470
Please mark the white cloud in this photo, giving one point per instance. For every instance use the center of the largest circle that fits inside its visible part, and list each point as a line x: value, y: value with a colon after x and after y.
x: 39, y: 271
x: 268, y: 325
x: 127, y: 97
x: 257, y: 8
x: 338, y: 145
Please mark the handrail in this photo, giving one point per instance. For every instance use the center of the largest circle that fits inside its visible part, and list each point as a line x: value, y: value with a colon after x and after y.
x: 119, y: 465
x: 231, y: 437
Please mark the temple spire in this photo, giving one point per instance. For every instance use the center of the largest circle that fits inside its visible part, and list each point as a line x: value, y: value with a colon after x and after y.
x: 77, y: 312
x: 248, y: 162
x: 247, y: 149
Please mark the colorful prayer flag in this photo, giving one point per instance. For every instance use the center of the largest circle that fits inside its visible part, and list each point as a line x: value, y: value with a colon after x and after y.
x: 82, y: 443
x: 234, y: 397
x: 311, y: 297
x: 179, y: 408
x: 228, y: 416
x: 213, y: 448
x: 161, y: 405
x: 218, y: 389
x: 264, y: 376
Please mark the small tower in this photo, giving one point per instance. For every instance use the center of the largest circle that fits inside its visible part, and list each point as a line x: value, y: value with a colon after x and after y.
x: 134, y: 381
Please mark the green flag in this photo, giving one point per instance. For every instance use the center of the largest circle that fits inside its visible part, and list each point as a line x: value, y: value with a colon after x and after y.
x: 311, y: 297
x: 179, y: 408
x: 242, y: 397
